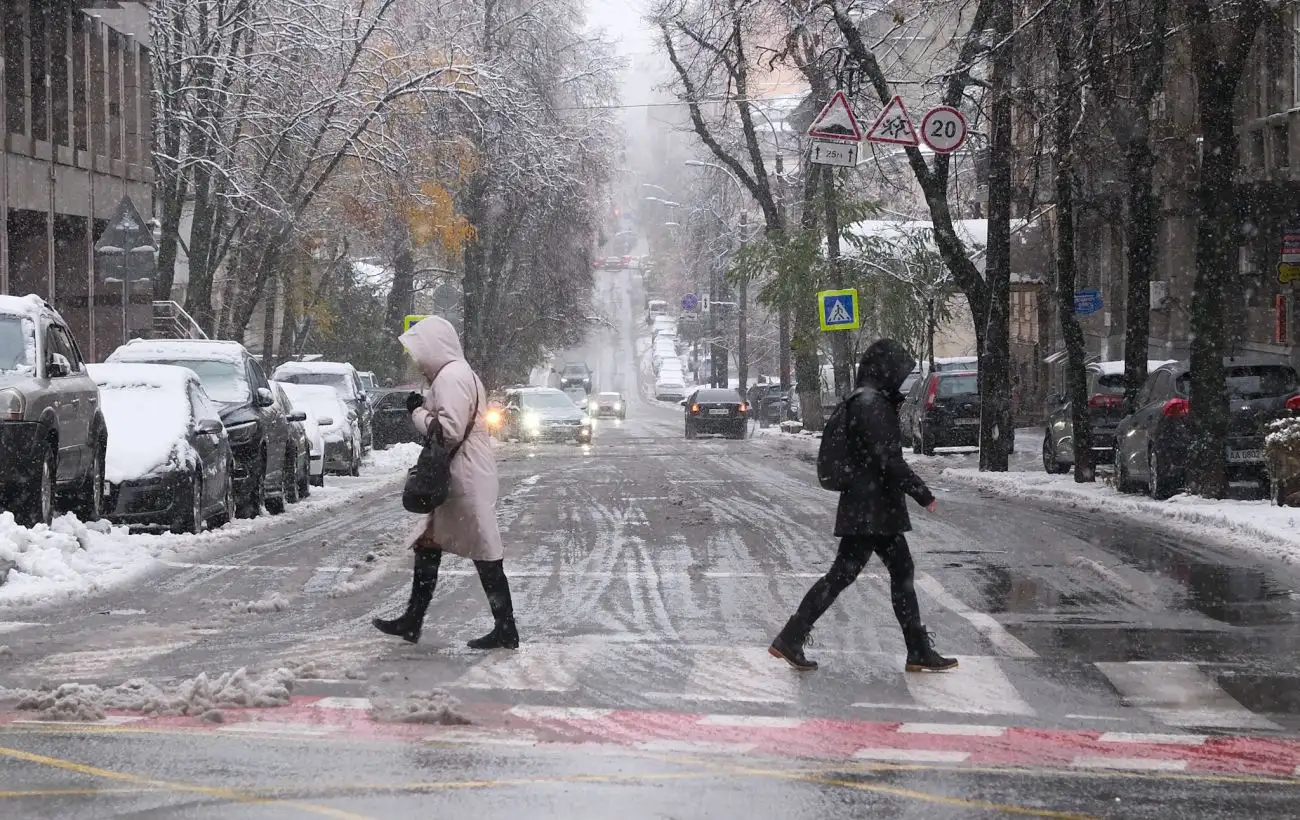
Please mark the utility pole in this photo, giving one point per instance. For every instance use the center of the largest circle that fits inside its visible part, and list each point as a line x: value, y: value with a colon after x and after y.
x: 742, y: 315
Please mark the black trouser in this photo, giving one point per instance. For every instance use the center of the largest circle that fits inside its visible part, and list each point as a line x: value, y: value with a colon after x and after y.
x: 853, y: 554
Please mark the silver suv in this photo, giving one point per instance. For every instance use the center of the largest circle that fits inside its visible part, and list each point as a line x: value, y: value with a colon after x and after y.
x: 52, y: 434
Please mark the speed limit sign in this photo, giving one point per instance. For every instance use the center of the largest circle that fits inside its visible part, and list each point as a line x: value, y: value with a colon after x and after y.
x: 943, y: 129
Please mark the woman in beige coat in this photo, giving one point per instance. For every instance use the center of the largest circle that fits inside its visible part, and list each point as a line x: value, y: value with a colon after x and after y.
x: 466, y: 524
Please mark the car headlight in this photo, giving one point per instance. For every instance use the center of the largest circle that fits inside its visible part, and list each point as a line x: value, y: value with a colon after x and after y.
x: 532, y: 421
x: 618, y: 405
x: 13, y: 405
x: 493, y: 418
x: 241, y: 433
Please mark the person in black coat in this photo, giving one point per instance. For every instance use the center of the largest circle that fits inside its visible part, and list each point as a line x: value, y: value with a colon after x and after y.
x: 872, y: 514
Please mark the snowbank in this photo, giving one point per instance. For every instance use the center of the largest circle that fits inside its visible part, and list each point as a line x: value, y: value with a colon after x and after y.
x: 1254, y: 525
x: 69, y: 559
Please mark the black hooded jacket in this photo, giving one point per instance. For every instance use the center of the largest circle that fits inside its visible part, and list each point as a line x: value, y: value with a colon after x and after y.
x: 876, y: 504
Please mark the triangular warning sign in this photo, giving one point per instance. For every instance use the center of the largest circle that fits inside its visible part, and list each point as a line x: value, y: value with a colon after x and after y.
x: 839, y: 314
x: 836, y: 121
x: 894, y: 126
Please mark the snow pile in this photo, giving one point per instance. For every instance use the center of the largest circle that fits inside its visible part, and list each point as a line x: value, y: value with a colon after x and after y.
x: 147, y: 410
x: 68, y: 557
x: 438, y: 707
x: 274, y: 603
x: 398, y: 458
x: 1254, y: 525
x: 200, y: 696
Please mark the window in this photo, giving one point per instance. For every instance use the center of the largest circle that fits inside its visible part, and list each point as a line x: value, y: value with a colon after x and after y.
x: 959, y: 386
x: 58, y: 341
x: 258, y: 375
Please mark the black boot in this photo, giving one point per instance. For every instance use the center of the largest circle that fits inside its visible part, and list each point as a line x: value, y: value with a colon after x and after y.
x: 921, y: 656
x: 504, y: 634
x: 424, y: 577
x: 788, y: 646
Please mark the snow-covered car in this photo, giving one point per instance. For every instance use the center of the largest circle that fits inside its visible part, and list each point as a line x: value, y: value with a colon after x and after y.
x: 670, y: 386
x: 52, y: 434
x: 298, y: 452
x: 168, y: 461
x: 344, y: 379
x: 235, y: 381
x: 337, y: 424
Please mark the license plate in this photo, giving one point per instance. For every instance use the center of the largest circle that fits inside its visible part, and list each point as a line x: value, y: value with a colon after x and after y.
x: 966, y: 422
x: 718, y: 412
x: 1245, y: 456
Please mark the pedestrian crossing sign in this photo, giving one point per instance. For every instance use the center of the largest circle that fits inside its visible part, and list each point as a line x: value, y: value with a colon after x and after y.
x: 408, y: 321
x: 838, y: 309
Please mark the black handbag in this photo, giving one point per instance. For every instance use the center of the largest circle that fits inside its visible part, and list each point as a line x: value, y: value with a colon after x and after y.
x: 428, y: 483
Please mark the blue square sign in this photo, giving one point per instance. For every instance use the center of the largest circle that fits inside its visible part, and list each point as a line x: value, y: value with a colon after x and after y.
x: 838, y: 309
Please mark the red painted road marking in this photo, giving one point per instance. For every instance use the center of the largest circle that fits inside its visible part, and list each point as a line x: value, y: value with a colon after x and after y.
x: 815, y: 738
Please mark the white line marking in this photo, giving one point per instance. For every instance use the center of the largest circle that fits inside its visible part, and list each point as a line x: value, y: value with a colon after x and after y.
x: 1139, y: 764
x: 1181, y: 694
x: 532, y: 668
x: 985, y: 624
x: 977, y: 687
x: 909, y: 707
x: 752, y: 721
x: 342, y: 703
x: 963, y: 729
x: 14, y: 626
x: 695, y: 746
x: 80, y: 664
x: 1148, y: 737
x: 560, y: 712
x: 1098, y: 717
x: 270, y: 728
x: 111, y: 720
x: 485, y: 737
x: 912, y: 755
x: 747, y: 674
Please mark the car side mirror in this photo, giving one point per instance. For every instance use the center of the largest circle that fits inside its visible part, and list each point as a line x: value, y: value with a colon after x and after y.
x: 324, y: 421
x: 263, y: 397
x: 58, y: 366
x: 681, y: 403
x: 208, y: 427
x: 297, y: 415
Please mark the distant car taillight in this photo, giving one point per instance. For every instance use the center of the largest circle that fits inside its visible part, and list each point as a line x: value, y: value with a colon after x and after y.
x: 1176, y: 408
x: 931, y: 392
x: 744, y: 408
x: 1105, y: 401
x: 1293, y: 403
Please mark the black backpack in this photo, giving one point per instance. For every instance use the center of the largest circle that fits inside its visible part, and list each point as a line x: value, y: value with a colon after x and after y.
x: 836, y: 466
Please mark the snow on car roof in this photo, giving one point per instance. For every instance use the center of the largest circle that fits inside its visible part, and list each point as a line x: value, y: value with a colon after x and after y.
x: 30, y: 305
x: 121, y: 375
x: 147, y: 411
x: 143, y: 350
x: 333, y: 368
x: 1117, y: 368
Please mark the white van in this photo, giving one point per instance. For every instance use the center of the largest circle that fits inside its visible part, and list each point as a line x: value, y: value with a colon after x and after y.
x: 655, y: 307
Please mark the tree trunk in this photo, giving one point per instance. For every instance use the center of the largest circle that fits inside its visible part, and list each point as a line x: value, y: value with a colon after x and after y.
x: 807, y: 364
x: 1076, y: 373
x: 401, y: 297
x: 1141, y: 258
x: 841, y: 344
x: 271, y: 295
x: 783, y: 344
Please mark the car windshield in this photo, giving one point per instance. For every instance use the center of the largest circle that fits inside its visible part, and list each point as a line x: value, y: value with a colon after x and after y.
x: 718, y: 396
x: 1110, y: 384
x: 967, y: 385
x: 339, y: 381
x: 548, y: 401
x: 1252, y: 382
x: 223, y: 380
x: 609, y: 396
x: 17, y: 344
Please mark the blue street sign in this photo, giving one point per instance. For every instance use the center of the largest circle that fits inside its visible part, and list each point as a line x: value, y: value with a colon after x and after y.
x: 690, y: 302
x: 1087, y: 301
x: 838, y: 309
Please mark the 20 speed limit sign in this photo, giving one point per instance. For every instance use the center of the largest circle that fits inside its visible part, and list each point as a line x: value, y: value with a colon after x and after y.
x: 943, y: 129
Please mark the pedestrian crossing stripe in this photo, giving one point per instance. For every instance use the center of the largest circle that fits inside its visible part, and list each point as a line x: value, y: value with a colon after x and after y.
x: 838, y: 309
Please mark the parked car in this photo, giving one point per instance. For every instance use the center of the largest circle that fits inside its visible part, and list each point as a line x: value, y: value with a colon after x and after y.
x: 337, y: 423
x: 576, y: 374
x: 537, y: 413
x: 257, y: 429
x: 769, y: 404
x: 368, y: 381
x: 963, y: 363
x: 392, y: 424
x: 607, y: 404
x: 52, y: 433
x: 670, y: 385
x: 345, y: 380
x: 168, y: 461
x: 1105, y: 409
x: 945, y: 413
x: 655, y: 307
x: 298, y: 450
x: 316, y: 452
x: 1151, y: 444
x: 716, y: 410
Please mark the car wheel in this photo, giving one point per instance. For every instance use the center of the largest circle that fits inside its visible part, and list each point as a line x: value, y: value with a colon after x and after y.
x: 304, y: 483
x: 227, y: 512
x: 354, y: 469
x: 191, y: 521
x: 690, y: 430
x: 926, y: 441
x: 1158, y: 484
x: 250, y: 506
x: 37, y: 503
x: 1050, y: 463
x: 740, y: 431
x: 291, y: 484
x: 89, y: 504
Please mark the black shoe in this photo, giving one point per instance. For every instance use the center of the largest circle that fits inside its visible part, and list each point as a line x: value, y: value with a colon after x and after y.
x: 404, y: 627
x: 503, y: 636
x: 788, y: 646
x: 921, y: 656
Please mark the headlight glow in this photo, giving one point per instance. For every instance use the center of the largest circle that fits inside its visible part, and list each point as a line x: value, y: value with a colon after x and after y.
x: 618, y: 405
x: 493, y: 417
x: 532, y: 421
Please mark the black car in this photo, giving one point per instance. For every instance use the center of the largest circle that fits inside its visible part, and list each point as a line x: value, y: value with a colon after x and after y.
x: 297, y: 456
x: 392, y: 424
x: 257, y: 429
x: 576, y: 374
x: 168, y: 461
x: 606, y: 405
x: 943, y: 410
x: 1152, y: 444
x: 716, y: 410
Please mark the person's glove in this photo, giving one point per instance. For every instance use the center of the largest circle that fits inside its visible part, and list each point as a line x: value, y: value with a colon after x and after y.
x: 414, y: 401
